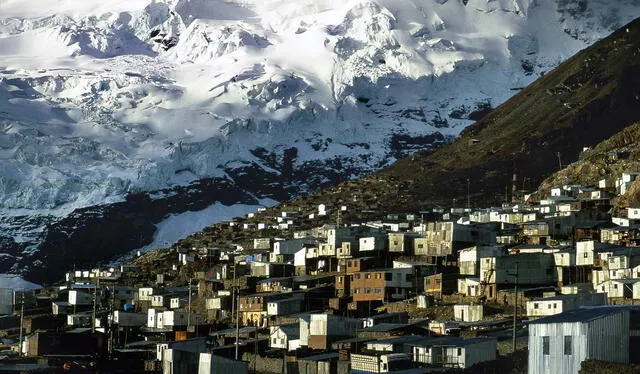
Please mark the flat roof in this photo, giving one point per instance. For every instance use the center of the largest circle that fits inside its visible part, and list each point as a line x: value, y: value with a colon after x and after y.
x: 562, y: 297
x: 290, y: 328
x: 320, y: 357
x: 585, y: 314
x: 242, y: 330
x: 384, y: 327
x: 354, y: 340
x: 400, y: 340
x: 26, y: 368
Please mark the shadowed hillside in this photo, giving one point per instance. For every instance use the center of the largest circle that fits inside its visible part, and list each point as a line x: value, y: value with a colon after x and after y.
x: 587, y: 99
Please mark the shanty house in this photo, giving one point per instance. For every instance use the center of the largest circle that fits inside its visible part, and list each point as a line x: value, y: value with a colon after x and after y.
x: 549, y: 306
x: 468, y: 313
x: 469, y: 258
x: 285, y: 336
x: 558, y: 344
x: 453, y: 352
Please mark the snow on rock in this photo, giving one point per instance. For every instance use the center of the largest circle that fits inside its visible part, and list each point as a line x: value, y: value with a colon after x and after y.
x: 100, y: 99
x: 182, y: 225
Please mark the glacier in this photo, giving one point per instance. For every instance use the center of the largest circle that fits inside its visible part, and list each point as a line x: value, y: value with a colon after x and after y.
x: 101, y: 100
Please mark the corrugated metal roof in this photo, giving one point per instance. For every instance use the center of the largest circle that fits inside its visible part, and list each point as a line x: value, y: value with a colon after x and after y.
x: 290, y: 329
x: 400, y: 340
x: 465, y: 342
x: 561, y: 297
x: 354, y: 340
x: 584, y: 314
x: 384, y: 327
x: 241, y: 330
x: 320, y: 357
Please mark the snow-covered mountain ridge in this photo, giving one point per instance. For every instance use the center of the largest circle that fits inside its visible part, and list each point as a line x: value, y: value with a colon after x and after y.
x: 101, y: 100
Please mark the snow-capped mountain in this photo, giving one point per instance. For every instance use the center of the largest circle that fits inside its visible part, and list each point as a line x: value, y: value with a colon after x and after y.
x: 150, y: 108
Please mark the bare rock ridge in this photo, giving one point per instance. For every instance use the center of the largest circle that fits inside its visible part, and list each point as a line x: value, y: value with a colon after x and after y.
x: 605, y: 161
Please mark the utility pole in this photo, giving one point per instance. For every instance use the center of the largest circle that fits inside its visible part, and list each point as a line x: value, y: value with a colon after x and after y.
x: 468, y: 194
x: 21, y: 320
x: 234, y: 291
x: 514, y: 180
x: 284, y: 360
x: 237, y: 324
x: 255, y: 347
x: 189, y: 308
x: 559, y: 160
x: 93, y: 314
x: 515, y: 308
x: 113, y: 298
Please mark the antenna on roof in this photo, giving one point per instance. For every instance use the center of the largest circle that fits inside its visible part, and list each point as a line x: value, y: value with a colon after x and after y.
x: 514, y: 181
x: 559, y: 160
x: 468, y: 193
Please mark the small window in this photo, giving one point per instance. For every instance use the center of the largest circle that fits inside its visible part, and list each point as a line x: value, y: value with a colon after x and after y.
x: 545, y: 345
x: 615, y: 286
x: 459, y: 351
x: 568, y: 345
x: 586, y: 254
x: 535, y: 305
x: 350, y: 263
x: 378, y: 290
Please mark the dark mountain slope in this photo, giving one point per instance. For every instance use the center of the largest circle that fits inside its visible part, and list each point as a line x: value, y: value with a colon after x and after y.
x: 590, y: 97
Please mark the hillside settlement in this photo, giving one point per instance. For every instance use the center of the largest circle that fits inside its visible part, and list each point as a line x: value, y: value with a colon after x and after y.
x: 537, y: 287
